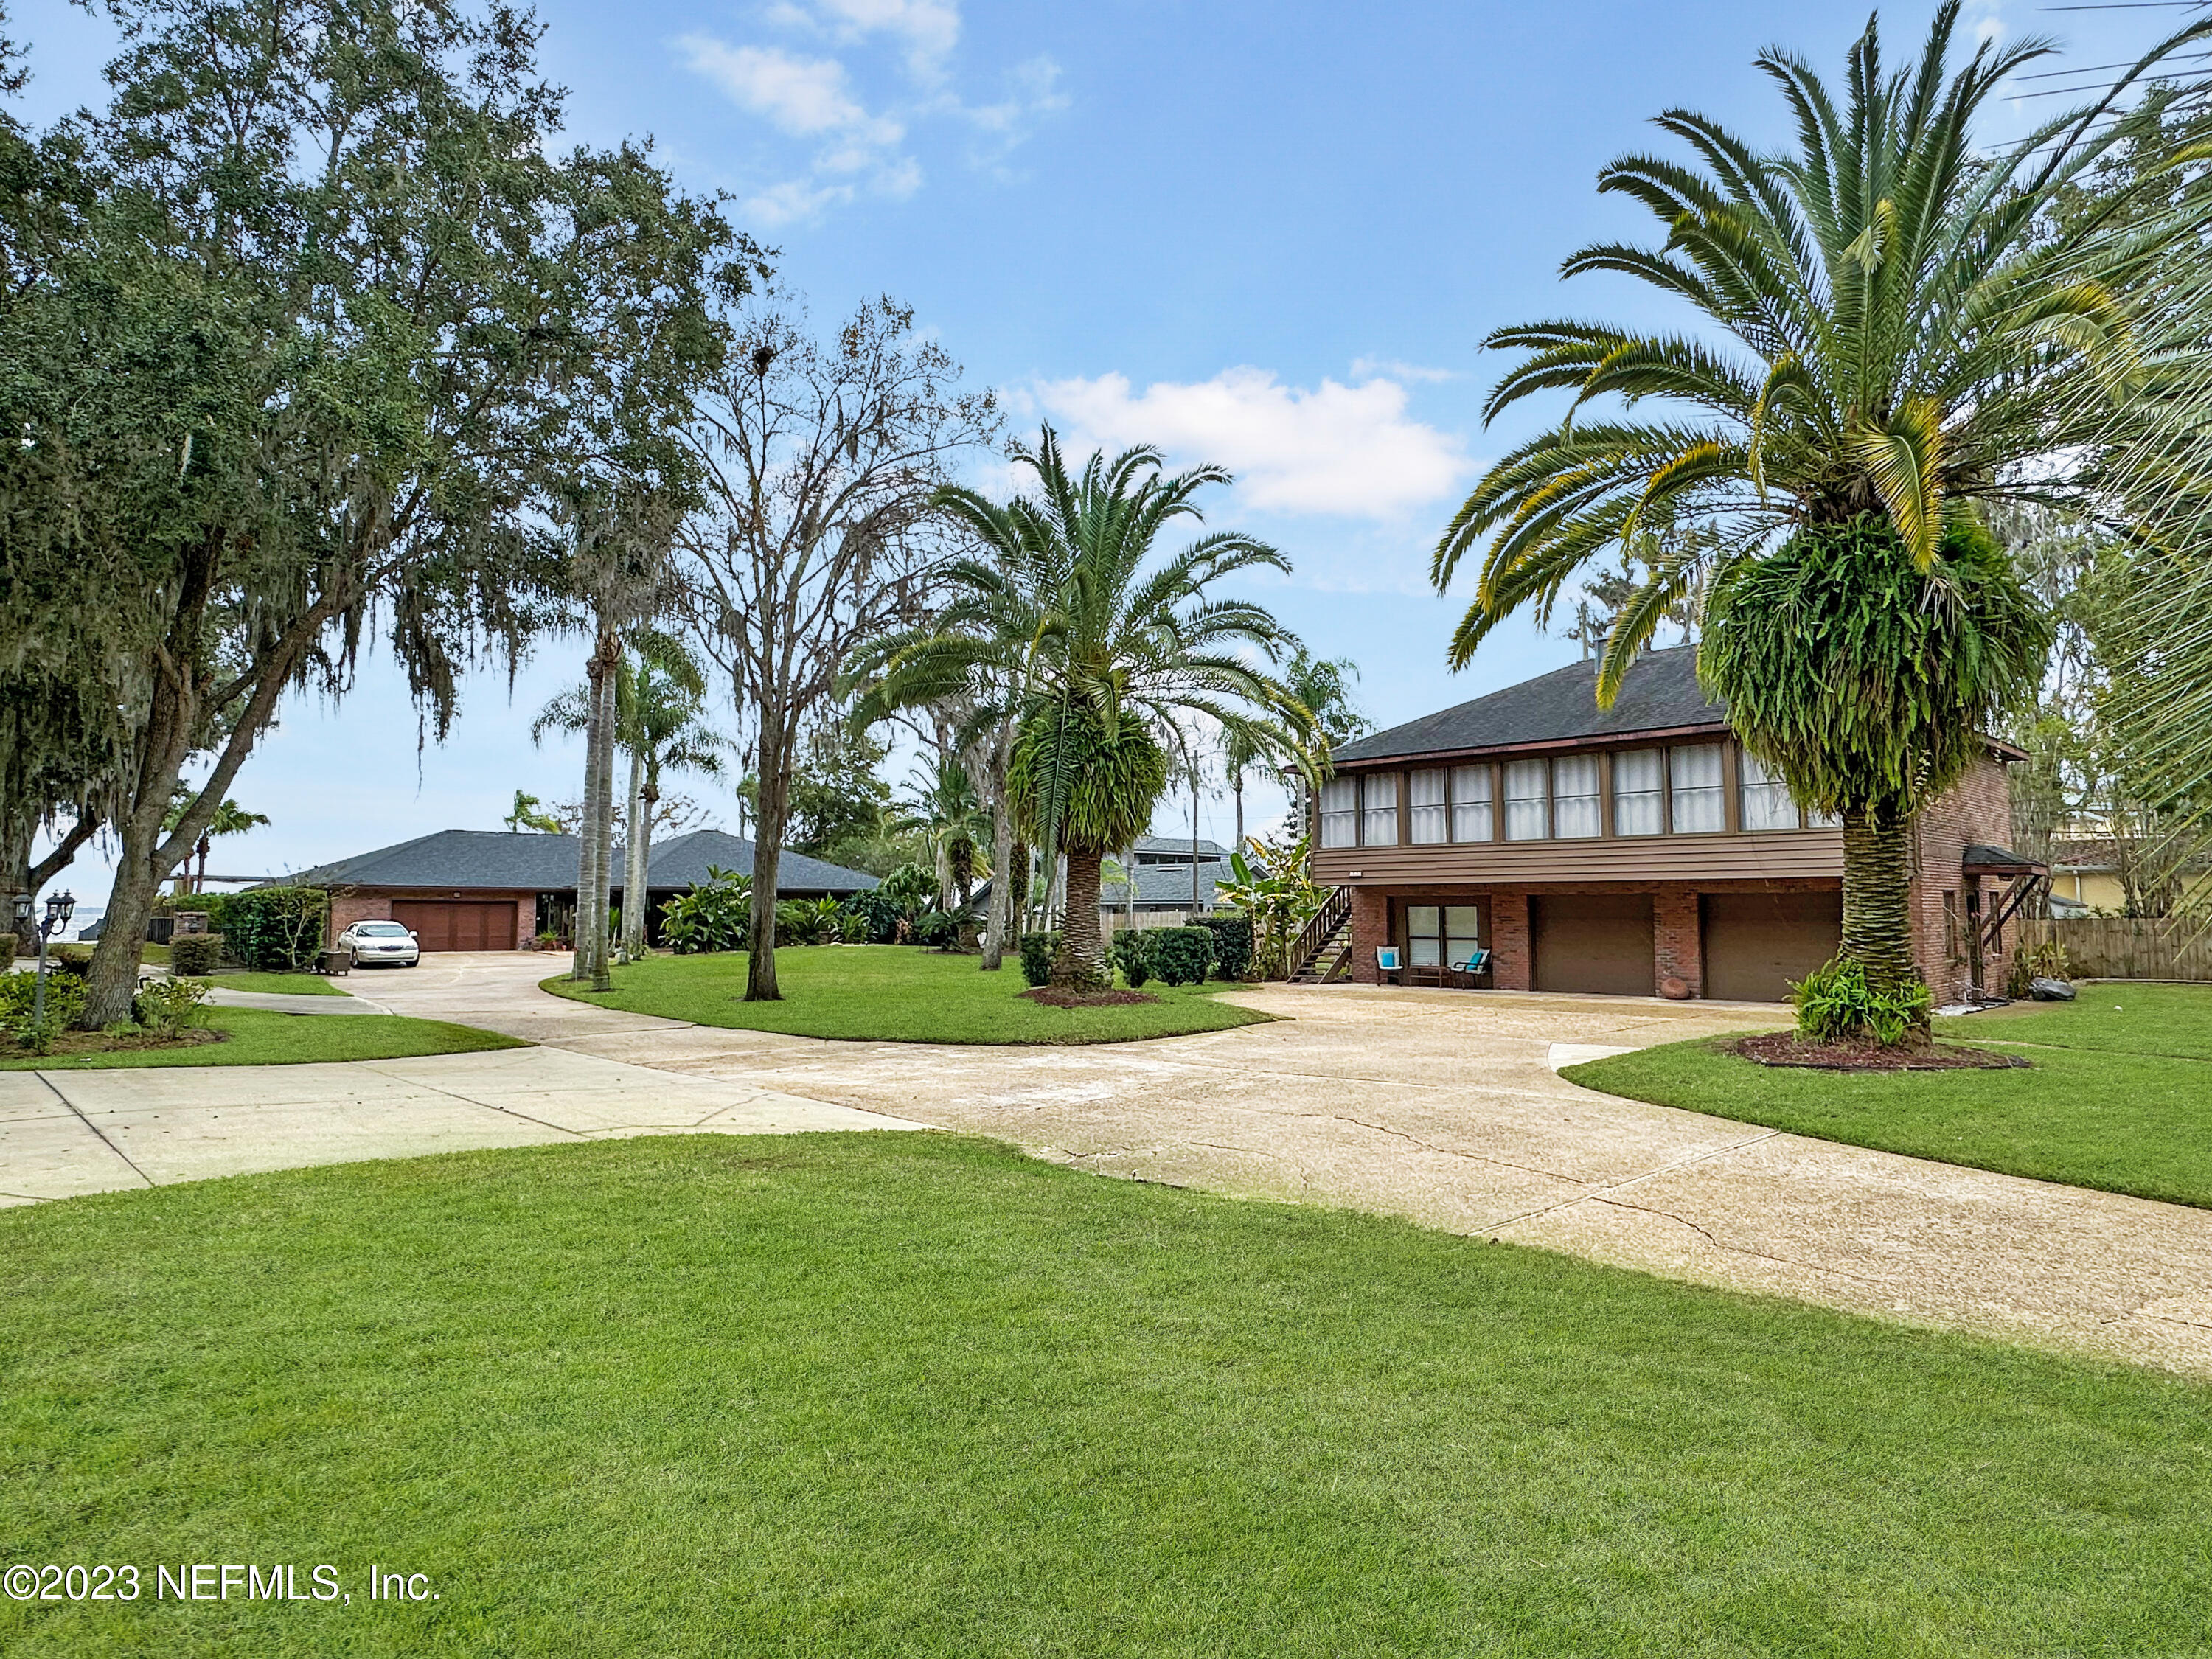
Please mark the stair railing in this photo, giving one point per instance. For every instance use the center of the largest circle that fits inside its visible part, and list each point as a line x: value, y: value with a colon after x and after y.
x: 1326, y: 921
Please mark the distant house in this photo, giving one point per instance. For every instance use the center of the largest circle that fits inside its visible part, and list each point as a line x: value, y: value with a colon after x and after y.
x: 1177, y: 849
x: 494, y: 890
x: 1634, y: 850
x: 1162, y: 891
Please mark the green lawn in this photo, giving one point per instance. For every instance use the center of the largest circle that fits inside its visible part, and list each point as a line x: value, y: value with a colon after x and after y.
x: 2113, y: 1098
x: 906, y: 1395
x: 259, y: 1038
x: 292, y: 985
x: 896, y: 993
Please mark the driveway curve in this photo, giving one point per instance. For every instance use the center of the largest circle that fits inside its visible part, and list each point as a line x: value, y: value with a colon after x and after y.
x: 1439, y: 1107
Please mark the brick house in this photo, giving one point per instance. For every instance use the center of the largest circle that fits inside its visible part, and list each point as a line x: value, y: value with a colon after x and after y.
x: 491, y: 889
x: 1633, y: 850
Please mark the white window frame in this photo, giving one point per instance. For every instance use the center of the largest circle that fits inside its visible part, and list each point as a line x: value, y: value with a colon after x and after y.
x: 1428, y: 801
x: 1340, y: 812
x: 1476, y: 809
x: 1654, y: 798
x: 1378, y: 809
x: 1584, y: 807
x: 1539, y: 770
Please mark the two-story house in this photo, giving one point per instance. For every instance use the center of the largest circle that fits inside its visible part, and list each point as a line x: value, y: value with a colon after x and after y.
x: 1633, y: 850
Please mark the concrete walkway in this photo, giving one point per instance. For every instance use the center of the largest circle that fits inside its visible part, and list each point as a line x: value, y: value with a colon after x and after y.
x: 1438, y: 1106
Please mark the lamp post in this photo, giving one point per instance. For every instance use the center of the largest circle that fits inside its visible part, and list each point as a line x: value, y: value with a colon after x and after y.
x: 59, y: 908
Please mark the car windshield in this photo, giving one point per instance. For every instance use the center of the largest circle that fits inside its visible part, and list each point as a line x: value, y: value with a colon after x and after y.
x: 381, y: 930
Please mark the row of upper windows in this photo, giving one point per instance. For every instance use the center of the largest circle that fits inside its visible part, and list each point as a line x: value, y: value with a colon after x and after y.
x: 1681, y: 790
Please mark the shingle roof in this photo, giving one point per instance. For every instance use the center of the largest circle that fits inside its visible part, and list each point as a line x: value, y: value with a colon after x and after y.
x: 1980, y: 855
x: 1179, y: 847
x: 1661, y: 694
x: 462, y: 859
x: 1164, y: 885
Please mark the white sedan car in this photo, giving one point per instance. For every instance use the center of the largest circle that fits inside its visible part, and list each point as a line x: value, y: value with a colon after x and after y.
x: 385, y: 943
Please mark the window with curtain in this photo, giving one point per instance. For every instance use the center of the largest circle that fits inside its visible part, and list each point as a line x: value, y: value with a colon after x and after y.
x: 1767, y: 803
x: 1470, y: 804
x: 1527, y: 800
x: 1576, y: 806
x: 1425, y: 792
x: 1441, y: 934
x: 1698, y: 777
x: 1640, y: 776
x: 1378, y: 814
x: 1340, y: 822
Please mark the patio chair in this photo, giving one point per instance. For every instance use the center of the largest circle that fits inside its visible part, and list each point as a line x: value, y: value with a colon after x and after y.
x: 1477, y: 963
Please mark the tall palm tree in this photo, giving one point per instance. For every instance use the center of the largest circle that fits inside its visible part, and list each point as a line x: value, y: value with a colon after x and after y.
x: 659, y: 721
x: 1890, y: 318
x: 230, y: 819
x: 1324, y: 685
x: 1090, y: 646
x: 950, y: 818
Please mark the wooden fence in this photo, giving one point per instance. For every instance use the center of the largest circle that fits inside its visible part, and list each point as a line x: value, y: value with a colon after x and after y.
x: 2128, y: 947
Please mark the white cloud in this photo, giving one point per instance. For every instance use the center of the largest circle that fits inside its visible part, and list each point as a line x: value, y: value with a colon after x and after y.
x: 801, y: 95
x: 1349, y: 450
x: 814, y: 98
x: 1371, y: 368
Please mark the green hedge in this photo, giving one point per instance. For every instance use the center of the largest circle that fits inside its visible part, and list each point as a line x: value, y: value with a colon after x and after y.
x: 1182, y: 956
x: 276, y: 929
x: 1036, y: 957
x: 1232, y: 943
x: 193, y: 956
x: 1133, y: 955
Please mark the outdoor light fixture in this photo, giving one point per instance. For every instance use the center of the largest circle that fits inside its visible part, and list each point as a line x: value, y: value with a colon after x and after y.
x: 60, y: 907
x: 23, y: 907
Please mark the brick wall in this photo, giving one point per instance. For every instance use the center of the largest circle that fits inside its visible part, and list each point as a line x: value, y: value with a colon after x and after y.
x: 1677, y: 941
x: 1978, y: 808
x: 1370, y: 927
x: 1513, y: 966
x: 347, y: 909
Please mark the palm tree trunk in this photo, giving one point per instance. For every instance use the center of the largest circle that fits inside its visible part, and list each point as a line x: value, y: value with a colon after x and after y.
x: 1080, y: 963
x: 634, y: 832
x: 1007, y: 899
x: 1877, y: 890
x: 594, y: 853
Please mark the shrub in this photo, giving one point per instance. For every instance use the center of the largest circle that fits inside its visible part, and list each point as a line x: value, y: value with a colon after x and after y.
x: 873, y: 916
x: 1182, y: 956
x: 169, y: 1005
x: 2030, y: 962
x: 19, y: 995
x: 798, y: 922
x: 715, y: 915
x: 1036, y: 957
x: 1132, y: 955
x: 275, y: 930
x: 6, y: 951
x: 1835, y: 1004
x: 74, y: 960
x: 194, y: 955
x: 1232, y: 943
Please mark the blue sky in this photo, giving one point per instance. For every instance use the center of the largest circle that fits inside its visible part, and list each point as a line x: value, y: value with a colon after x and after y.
x: 1266, y: 236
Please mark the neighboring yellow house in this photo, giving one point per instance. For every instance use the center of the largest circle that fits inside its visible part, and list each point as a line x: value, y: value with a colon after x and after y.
x: 2087, y: 871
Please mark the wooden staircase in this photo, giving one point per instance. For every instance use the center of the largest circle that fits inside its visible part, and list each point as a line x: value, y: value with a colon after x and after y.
x: 1323, y: 952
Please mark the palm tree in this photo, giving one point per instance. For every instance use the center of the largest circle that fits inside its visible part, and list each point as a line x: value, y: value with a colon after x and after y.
x: 230, y: 819
x: 1891, y: 316
x: 659, y: 691
x: 950, y: 817
x: 1124, y: 649
x: 1324, y: 684
x: 529, y: 812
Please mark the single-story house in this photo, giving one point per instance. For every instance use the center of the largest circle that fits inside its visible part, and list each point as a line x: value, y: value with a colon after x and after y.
x: 495, y: 890
x: 1163, y: 896
x: 1635, y: 849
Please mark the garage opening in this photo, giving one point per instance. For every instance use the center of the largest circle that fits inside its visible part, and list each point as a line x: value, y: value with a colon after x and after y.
x: 1596, y: 943
x: 1756, y: 944
x: 458, y: 924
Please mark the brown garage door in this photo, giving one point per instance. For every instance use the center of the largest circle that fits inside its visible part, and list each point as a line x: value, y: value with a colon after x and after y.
x: 1757, y: 943
x: 458, y: 924
x: 1597, y: 942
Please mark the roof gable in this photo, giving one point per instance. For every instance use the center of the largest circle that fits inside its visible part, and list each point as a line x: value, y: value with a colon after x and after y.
x: 530, y: 860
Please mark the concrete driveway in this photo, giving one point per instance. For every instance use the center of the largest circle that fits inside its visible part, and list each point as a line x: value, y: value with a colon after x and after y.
x: 1436, y: 1106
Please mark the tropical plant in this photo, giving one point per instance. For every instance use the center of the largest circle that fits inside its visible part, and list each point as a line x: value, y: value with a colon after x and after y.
x: 168, y: 1006
x: 529, y: 813
x: 1269, y: 884
x: 1323, y: 686
x: 1894, y: 318
x: 1120, y: 649
x: 950, y: 819
x: 229, y: 818
x: 710, y: 915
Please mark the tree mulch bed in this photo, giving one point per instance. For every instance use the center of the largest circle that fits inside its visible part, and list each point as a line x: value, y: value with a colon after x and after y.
x: 1055, y: 996
x: 103, y: 1042
x: 1783, y: 1048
